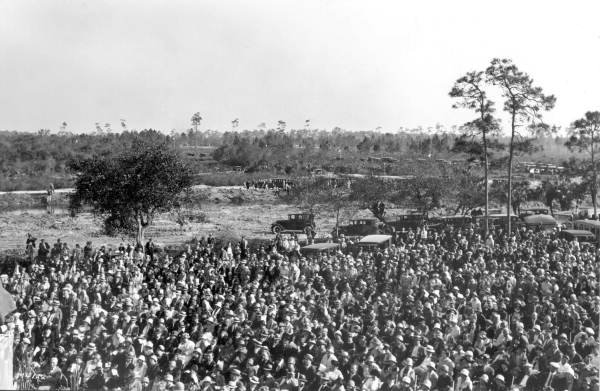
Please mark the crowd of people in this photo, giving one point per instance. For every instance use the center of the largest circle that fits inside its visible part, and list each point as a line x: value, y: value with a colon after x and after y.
x: 445, y: 310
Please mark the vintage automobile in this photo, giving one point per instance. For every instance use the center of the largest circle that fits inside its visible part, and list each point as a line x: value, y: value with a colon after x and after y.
x: 577, y: 234
x: 412, y: 220
x: 320, y: 249
x: 298, y: 222
x: 358, y: 227
x: 533, y: 211
x: 542, y: 222
x: 375, y: 242
x: 455, y: 221
x: 589, y: 225
x: 498, y: 220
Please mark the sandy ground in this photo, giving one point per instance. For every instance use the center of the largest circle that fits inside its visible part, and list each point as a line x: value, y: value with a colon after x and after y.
x: 228, y: 212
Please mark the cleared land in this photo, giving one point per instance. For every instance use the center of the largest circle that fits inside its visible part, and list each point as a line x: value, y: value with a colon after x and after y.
x: 227, y: 212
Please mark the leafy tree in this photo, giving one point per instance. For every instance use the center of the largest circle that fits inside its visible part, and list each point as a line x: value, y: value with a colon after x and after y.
x: 555, y: 193
x: 577, y: 192
x: 131, y: 188
x: 281, y: 125
x: 585, y: 137
x: 471, y: 94
x: 367, y: 192
x: 196, y: 120
x: 521, y: 193
x: 524, y: 102
x: 426, y: 193
x: 467, y: 189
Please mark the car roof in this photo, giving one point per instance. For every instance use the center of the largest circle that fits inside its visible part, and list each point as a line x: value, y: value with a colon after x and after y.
x: 594, y: 223
x: 374, y: 239
x: 320, y: 246
x: 539, y: 219
x: 578, y: 232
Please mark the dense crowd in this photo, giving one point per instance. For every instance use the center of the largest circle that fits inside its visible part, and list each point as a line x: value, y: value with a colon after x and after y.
x: 438, y: 310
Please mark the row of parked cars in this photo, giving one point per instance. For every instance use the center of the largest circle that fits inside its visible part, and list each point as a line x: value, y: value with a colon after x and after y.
x: 534, y: 218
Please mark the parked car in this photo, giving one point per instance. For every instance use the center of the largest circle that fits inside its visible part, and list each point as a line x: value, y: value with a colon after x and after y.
x: 375, y: 242
x: 455, y: 221
x: 577, y: 234
x: 358, y: 227
x: 405, y: 221
x: 320, y: 249
x: 533, y: 211
x: 297, y: 222
x: 498, y: 220
x: 541, y: 222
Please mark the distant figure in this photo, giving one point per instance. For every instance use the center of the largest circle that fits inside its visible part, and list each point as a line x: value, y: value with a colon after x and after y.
x: 49, y: 199
x: 30, y: 247
x: 150, y: 249
x: 477, y: 212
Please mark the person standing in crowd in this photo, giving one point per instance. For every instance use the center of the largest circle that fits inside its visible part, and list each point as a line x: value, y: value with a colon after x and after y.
x: 440, y: 309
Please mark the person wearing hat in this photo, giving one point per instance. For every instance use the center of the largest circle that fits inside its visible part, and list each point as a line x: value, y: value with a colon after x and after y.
x: 165, y: 384
x: 407, y: 371
x: 307, y: 368
x: 96, y: 381
x: 266, y: 375
x: 423, y: 367
x: 561, y: 374
x: 333, y: 373
x: 499, y: 383
x: 404, y: 384
x: 482, y: 383
x: 372, y: 381
x: 463, y: 381
x: 289, y: 381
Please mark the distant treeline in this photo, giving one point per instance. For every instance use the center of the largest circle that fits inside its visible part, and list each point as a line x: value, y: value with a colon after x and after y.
x: 34, y: 160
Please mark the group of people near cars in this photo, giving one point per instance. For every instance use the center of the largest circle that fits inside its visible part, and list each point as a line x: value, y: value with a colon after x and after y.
x: 445, y: 311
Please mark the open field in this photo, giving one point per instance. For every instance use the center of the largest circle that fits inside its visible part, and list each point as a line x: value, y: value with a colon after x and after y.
x: 227, y: 212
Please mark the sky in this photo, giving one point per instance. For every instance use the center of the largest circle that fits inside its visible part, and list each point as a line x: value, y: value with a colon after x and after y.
x: 358, y: 65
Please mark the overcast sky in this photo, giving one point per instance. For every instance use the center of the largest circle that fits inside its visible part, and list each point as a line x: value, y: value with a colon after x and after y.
x: 353, y: 64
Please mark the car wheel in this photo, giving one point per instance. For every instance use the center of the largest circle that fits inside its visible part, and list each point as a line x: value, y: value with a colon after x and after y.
x: 276, y: 229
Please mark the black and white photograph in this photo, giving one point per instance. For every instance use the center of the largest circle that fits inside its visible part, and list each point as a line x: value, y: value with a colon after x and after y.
x: 299, y: 195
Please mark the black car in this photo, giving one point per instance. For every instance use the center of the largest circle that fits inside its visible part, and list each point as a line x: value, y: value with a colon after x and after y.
x: 407, y: 221
x: 358, y: 227
x: 298, y: 222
